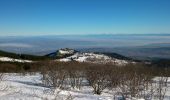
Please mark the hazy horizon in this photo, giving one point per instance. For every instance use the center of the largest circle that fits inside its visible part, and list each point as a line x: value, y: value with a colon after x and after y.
x: 50, y: 43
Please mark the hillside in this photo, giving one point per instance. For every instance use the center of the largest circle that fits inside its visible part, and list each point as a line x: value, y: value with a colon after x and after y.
x: 161, y: 62
x: 147, y: 52
x: 61, y: 53
x: 22, y: 56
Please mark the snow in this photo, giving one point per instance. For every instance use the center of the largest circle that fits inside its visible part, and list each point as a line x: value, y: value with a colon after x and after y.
x: 66, y: 51
x: 65, y: 60
x: 29, y: 87
x: 7, y: 59
x: 94, y: 58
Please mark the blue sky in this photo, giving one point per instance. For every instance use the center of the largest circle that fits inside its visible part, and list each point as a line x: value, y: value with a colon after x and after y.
x: 54, y: 17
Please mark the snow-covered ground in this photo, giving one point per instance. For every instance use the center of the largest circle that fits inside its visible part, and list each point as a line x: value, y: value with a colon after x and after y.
x: 95, y: 58
x: 7, y: 59
x: 66, y: 51
x: 29, y: 87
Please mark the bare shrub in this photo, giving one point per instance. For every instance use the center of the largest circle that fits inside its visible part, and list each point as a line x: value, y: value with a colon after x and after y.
x: 97, y: 77
x: 76, y: 79
x: 161, y: 87
x: 7, y: 67
x: 1, y: 76
x: 130, y: 81
x: 54, y: 75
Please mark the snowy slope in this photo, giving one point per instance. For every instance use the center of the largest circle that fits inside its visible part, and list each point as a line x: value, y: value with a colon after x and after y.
x: 7, y: 59
x: 94, y: 58
x: 29, y: 87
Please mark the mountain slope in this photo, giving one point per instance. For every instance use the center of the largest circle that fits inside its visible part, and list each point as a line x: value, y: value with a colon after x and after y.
x: 147, y: 52
x: 22, y: 56
x: 94, y: 57
x: 61, y: 53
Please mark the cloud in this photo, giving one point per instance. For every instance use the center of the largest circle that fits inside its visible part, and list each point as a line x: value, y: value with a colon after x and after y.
x: 16, y: 45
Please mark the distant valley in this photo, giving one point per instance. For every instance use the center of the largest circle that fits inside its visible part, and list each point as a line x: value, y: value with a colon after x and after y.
x: 144, y: 46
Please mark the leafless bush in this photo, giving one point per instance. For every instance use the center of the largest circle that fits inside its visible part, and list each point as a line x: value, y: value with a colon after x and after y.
x: 54, y: 78
x: 98, y: 78
x: 1, y: 76
x: 130, y: 81
x: 161, y: 87
x: 76, y: 78
x: 54, y: 75
x: 7, y: 67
